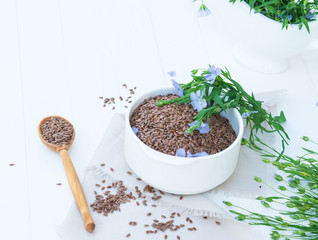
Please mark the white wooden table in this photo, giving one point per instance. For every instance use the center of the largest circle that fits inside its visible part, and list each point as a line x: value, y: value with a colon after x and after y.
x: 58, y: 57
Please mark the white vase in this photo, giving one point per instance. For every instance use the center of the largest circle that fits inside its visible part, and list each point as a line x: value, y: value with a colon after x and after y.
x: 260, y: 43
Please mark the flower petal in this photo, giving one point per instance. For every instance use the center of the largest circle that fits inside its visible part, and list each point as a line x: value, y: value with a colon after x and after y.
x: 193, y: 123
x: 180, y: 152
x: 172, y: 73
x: 135, y: 130
x: 201, y: 154
x: 193, y: 96
x: 204, y: 128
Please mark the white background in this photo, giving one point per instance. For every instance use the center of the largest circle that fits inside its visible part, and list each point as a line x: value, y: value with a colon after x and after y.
x: 59, y: 56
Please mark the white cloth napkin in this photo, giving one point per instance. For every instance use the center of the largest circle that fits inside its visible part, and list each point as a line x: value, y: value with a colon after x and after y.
x: 115, y: 225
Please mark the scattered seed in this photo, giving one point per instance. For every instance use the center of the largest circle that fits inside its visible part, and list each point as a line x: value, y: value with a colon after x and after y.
x: 100, y: 97
x: 11, y: 164
x: 166, y: 236
x: 111, y: 169
x: 59, y: 184
x: 178, y: 237
x: 129, y: 173
x: 218, y: 223
x: 102, y: 165
x: 128, y: 235
x: 181, y: 197
x: 139, y: 179
x: 149, y: 214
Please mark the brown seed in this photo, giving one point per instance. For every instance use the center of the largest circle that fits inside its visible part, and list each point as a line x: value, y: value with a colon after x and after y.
x: 178, y: 237
x: 103, y: 181
x: 166, y: 236
x: 102, y: 165
x: 163, y: 216
x: 149, y: 214
x: 154, y: 205
x: 139, y: 179
x: 97, y: 185
x: 218, y: 223
x: 59, y: 184
x: 100, y: 97
x: 137, y: 203
x: 128, y: 235
x: 163, y: 128
x: 181, y: 197
x: 111, y: 169
x: 125, y: 106
x: 57, y: 131
x: 11, y: 164
x: 113, y: 108
x: 129, y: 173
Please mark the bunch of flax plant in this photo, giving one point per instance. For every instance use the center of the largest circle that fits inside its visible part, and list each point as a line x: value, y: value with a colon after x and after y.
x: 286, y: 11
x: 299, y: 12
x: 213, y: 90
x: 294, y: 207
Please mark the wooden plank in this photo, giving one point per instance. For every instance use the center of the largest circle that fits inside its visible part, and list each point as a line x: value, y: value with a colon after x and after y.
x: 13, y: 179
x: 46, y: 92
x: 178, y: 37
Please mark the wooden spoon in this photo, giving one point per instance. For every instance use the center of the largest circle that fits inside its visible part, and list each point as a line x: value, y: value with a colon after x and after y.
x: 71, y: 175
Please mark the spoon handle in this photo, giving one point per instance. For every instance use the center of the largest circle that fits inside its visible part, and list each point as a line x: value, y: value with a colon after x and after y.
x: 77, y: 190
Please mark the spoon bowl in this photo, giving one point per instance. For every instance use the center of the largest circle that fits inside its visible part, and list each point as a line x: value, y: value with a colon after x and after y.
x: 51, y: 146
x: 70, y: 173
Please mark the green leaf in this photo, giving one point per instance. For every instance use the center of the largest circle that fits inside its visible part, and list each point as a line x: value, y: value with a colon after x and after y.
x: 281, y: 118
x: 218, y: 100
x: 258, y: 179
x: 304, y: 21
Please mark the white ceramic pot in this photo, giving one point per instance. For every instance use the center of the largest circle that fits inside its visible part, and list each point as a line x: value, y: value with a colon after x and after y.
x: 260, y: 43
x: 181, y: 175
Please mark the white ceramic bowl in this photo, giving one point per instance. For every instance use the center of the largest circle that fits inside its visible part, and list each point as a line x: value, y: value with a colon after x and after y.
x: 181, y: 175
x: 260, y: 43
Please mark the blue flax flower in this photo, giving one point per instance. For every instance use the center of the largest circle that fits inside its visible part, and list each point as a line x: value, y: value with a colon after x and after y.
x: 181, y: 153
x: 203, y: 11
x: 172, y: 73
x: 200, y: 154
x: 178, y: 87
x: 135, y: 130
x: 204, y: 127
x: 289, y: 16
x: 316, y: 104
x: 247, y: 114
x: 214, y: 72
x: 197, y: 101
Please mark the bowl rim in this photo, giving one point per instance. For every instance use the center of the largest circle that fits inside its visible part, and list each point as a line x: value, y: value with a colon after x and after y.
x: 163, y: 157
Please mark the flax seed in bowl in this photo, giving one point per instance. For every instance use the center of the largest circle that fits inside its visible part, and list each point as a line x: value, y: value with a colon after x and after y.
x: 151, y: 152
x: 164, y: 128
